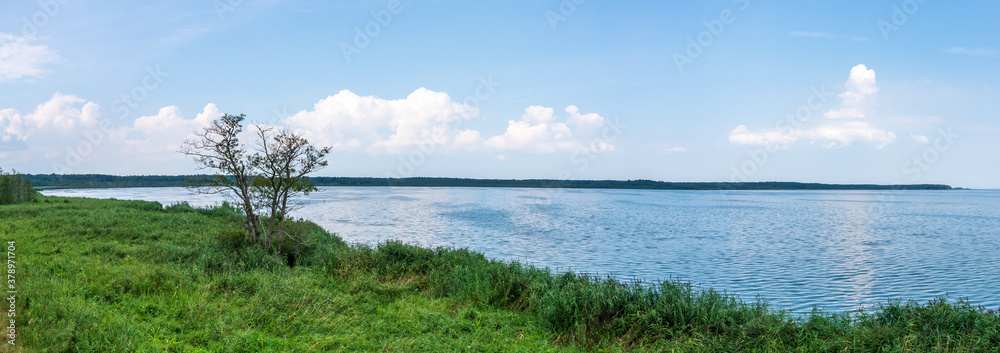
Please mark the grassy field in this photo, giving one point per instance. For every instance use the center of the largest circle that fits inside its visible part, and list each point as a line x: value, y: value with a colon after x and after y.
x: 109, y: 275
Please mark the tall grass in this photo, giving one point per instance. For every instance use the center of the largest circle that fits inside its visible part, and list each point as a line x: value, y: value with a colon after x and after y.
x: 598, y: 313
x: 106, y: 275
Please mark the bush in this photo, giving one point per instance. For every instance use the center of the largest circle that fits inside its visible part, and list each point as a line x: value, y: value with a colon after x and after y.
x: 223, y: 210
x: 180, y: 207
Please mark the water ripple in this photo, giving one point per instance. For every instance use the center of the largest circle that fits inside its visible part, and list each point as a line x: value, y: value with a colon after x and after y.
x: 836, y: 250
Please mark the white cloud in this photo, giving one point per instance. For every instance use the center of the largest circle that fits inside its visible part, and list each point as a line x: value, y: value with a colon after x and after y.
x: 52, y: 128
x: 69, y: 131
x: 468, y: 139
x: 842, y: 127
x: 538, y: 132
x: 586, y: 124
x: 347, y: 121
x: 827, y: 135
x: 538, y: 114
x: 743, y: 136
x: 20, y: 59
x: 60, y: 115
x: 11, y: 125
x: 920, y: 139
x: 981, y: 51
x: 541, y: 137
x: 845, y: 134
x: 165, y: 131
x: 859, y: 96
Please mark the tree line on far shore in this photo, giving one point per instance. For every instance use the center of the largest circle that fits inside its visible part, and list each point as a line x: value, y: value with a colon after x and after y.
x: 114, y: 181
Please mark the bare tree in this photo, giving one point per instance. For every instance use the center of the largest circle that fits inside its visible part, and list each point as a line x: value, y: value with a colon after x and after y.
x: 266, y: 182
x: 218, y: 147
x: 283, y: 158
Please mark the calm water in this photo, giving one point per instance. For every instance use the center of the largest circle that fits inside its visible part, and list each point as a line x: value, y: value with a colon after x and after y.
x: 833, y: 249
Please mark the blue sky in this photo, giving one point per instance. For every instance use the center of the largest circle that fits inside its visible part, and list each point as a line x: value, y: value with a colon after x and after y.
x: 884, y: 91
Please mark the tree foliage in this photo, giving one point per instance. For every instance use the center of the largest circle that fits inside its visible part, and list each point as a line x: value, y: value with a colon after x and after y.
x: 282, y: 159
x: 264, y: 181
x: 15, y: 188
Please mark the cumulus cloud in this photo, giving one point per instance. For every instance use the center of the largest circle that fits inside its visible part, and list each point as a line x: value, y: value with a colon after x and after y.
x: 468, y: 139
x: 10, y: 125
x: 920, y: 139
x: 841, y: 128
x: 45, y: 133
x: 20, y: 59
x: 165, y: 131
x: 541, y: 137
x: 68, y: 130
x: 538, y: 131
x: 346, y: 121
x: 858, y: 98
x: 58, y: 116
x: 585, y: 123
x: 538, y: 114
x: 844, y: 134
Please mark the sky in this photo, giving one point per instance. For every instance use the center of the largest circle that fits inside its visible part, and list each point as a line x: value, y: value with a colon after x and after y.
x: 886, y: 92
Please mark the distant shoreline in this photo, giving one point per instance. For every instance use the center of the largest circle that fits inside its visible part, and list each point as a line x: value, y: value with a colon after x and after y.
x: 72, y: 181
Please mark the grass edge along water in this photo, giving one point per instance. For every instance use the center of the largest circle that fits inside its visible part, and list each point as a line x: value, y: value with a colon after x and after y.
x: 113, y: 275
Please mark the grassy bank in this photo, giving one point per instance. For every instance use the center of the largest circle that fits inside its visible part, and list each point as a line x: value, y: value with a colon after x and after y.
x: 107, y: 275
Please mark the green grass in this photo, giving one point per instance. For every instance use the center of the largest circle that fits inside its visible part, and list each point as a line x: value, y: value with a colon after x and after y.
x: 109, y: 275
x: 106, y: 276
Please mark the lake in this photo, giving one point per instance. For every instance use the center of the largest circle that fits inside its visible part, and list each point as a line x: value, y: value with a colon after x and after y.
x: 837, y: 250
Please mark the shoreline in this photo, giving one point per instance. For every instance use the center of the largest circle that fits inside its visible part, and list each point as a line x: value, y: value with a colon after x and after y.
x: 138, y: 256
